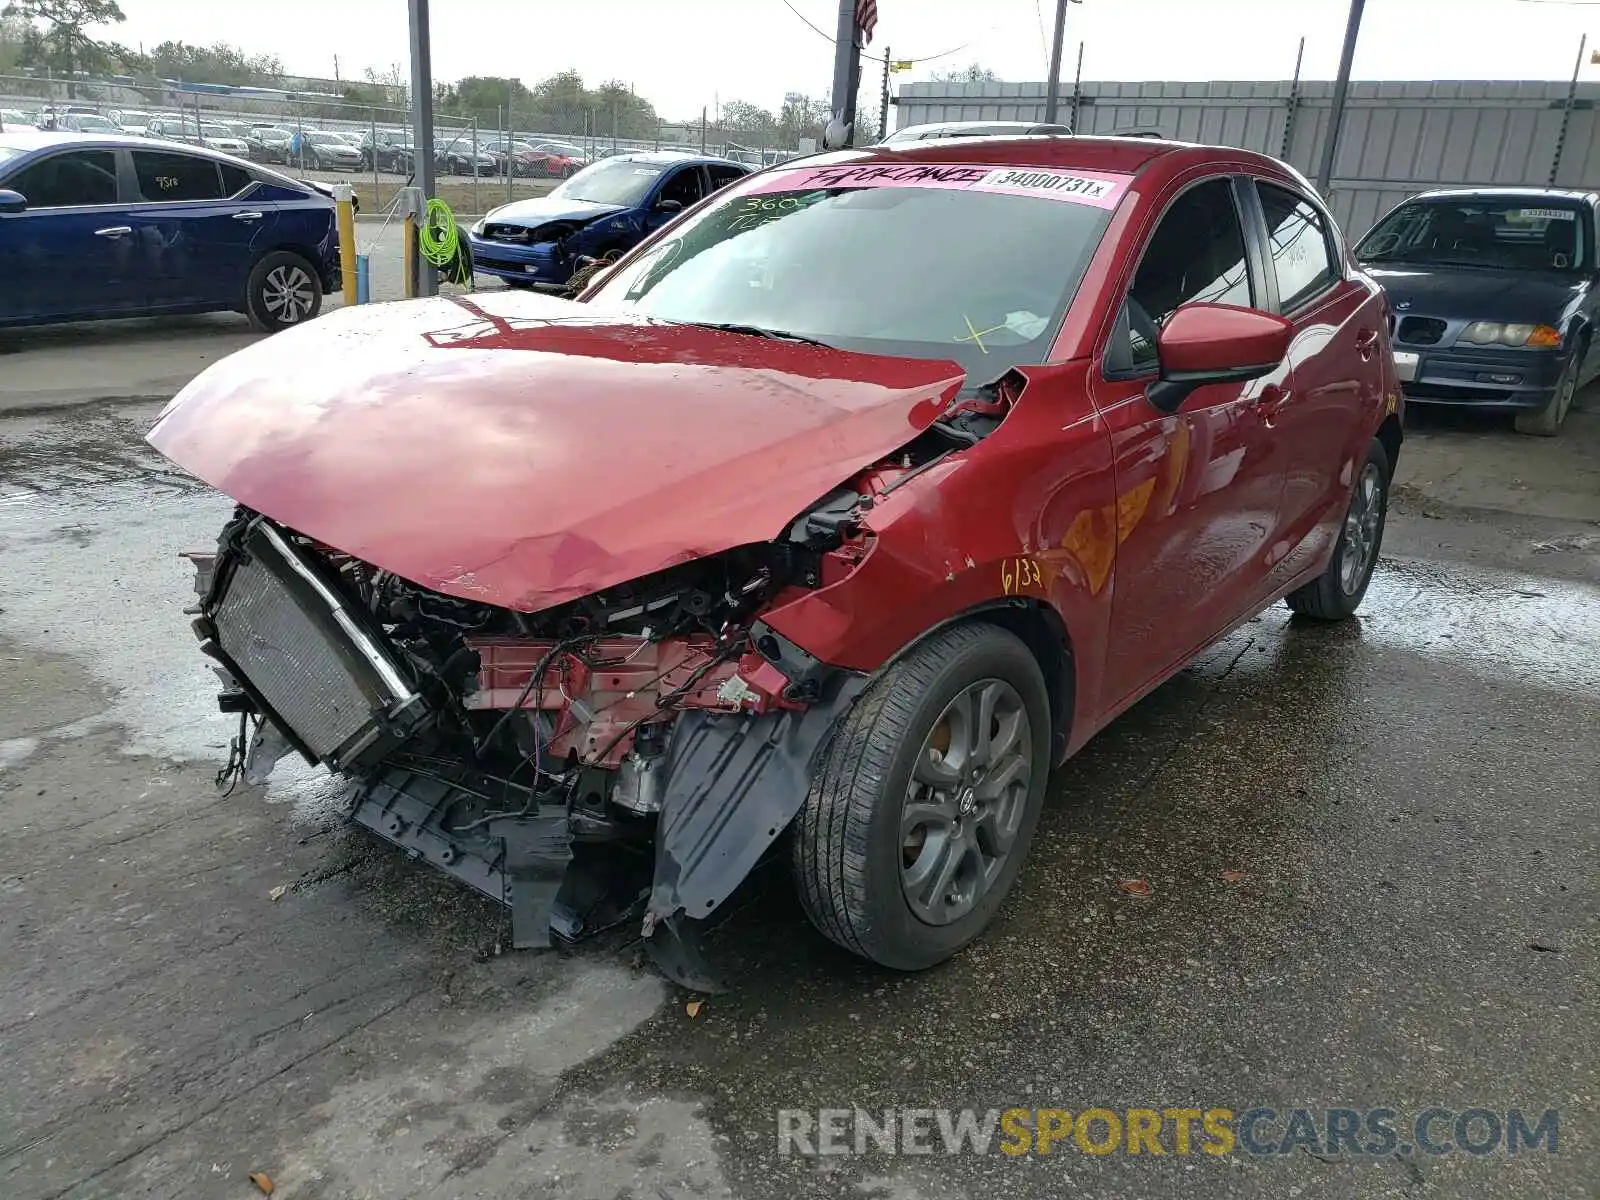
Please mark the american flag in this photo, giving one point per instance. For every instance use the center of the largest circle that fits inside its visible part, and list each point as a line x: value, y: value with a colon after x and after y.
x: 866, y: 18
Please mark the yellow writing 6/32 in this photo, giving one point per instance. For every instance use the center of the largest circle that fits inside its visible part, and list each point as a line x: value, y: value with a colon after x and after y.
x: 1018, y: 573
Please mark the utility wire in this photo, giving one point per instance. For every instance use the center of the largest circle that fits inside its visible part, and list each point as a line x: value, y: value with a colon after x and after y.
x: 808, y: 23
x: 830, y: 39
x: 941, y: 54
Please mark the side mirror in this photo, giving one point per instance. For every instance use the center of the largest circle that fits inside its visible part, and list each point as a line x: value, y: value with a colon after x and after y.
x: 669, y: 206
x: 1215, y: 343
x: 12, y: 202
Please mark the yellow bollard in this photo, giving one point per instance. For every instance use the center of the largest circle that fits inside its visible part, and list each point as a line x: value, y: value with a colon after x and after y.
x: 408, y: 245
x: 413, y: 204
x: 344, y: 197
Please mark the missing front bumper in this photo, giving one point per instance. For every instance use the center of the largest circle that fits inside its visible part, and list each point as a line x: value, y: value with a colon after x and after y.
x: 734, y: 784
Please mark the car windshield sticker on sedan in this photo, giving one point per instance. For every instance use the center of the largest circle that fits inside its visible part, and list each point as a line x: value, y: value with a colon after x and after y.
x: 1542, y: 214
x: 1102, y: 191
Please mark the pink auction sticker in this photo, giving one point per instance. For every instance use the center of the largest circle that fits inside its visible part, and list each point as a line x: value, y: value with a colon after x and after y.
x: 1099, y: 189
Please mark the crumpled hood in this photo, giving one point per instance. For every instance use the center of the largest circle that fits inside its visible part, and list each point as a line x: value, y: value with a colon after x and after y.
x: 540, y: 209
x: 523, y: 451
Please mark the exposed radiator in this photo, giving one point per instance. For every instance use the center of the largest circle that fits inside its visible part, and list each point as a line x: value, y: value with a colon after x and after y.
x: 288, y: 634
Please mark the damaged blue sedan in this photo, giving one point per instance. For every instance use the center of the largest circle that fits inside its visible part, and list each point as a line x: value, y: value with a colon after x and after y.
x: 601, y: 212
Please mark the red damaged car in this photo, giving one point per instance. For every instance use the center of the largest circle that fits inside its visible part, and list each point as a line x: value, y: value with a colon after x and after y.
x: 823, y: 525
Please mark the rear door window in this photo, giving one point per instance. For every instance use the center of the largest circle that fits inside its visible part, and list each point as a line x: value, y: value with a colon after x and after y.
x: 71, y: 178
x: 234, y: 179
x: 1297, y: 239
x: 164, y: 175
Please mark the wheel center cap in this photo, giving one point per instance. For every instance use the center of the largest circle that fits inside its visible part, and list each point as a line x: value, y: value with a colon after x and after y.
x: 967, y: 801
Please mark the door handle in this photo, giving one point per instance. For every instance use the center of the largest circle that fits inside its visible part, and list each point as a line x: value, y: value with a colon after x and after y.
x: 248, y: 216
x: 1366, y: 342
x: 113, y: 231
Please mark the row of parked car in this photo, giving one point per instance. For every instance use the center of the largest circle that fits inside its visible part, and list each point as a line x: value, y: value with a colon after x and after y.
x: 321, y: 149
x: 463, y: 154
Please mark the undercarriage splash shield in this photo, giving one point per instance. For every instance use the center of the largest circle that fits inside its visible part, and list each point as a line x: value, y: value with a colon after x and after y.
x: 733, y: 785
x: 517, y: 860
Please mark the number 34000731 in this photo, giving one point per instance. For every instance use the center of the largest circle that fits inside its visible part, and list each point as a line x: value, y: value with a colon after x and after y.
x: 1018, y: 573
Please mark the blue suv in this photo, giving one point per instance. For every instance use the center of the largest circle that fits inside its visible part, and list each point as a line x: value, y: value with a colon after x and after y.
x: 99, y: 226
x: 605, y: 208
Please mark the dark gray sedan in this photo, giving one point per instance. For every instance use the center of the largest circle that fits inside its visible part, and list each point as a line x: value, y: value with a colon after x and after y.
x: 1493, y: 298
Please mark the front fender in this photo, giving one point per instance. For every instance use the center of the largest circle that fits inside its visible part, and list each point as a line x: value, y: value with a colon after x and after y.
x: 1031, y: 513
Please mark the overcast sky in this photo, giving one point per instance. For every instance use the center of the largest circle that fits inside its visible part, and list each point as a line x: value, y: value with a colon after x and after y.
x: 681, y: 54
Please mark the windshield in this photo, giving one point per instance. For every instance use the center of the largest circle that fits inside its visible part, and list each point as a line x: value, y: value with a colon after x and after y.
x: 94, y: 125
x: 941, y: 272
x: 621, y: 181
x: 216, y: 131
x: 8, y: 152
x: 1508, y: 234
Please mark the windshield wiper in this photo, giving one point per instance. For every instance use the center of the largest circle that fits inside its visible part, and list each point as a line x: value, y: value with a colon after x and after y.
x: 758, y: 331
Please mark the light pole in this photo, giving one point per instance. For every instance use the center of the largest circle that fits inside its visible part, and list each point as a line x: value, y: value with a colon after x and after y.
x: 422, y: 126
x: 1341, y: 90
x: 846, y: 68
x: 1053, y: 88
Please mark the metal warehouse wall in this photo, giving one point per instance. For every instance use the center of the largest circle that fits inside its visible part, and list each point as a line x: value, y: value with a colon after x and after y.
x: 1399, y: 138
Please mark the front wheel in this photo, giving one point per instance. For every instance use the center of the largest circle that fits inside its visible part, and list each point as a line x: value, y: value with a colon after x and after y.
x: 1546, y: 421
x: 925, y: 799
x: 283, y: 290
x: 1338, y: 591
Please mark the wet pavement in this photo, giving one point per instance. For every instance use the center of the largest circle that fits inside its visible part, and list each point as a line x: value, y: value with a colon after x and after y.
x: 1369, y: 851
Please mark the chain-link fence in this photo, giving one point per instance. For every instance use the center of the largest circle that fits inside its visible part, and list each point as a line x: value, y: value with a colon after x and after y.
x: 477, y: 164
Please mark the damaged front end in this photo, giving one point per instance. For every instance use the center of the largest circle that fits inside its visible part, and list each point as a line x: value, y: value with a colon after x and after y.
x: 517, y: 571
x: 628, y: 755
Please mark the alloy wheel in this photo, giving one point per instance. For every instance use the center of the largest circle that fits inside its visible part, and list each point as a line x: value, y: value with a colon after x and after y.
x: 1361, y: 526
x: 288, y: 294
x: 965, y: 801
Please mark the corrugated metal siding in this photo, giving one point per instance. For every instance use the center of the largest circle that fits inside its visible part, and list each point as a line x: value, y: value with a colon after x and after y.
x: 1399, y: 138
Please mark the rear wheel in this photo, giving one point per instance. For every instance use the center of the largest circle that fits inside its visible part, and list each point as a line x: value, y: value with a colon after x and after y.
x: 283, y: 290
x: 1546, y: 421
x: 1338, y: 591
x: 925, y: 800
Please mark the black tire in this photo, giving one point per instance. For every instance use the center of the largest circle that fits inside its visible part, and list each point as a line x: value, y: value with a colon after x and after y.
x: 850, y: 844
x: 1546, y: 421
x: 286, y: 276
x: 1338, y: 592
